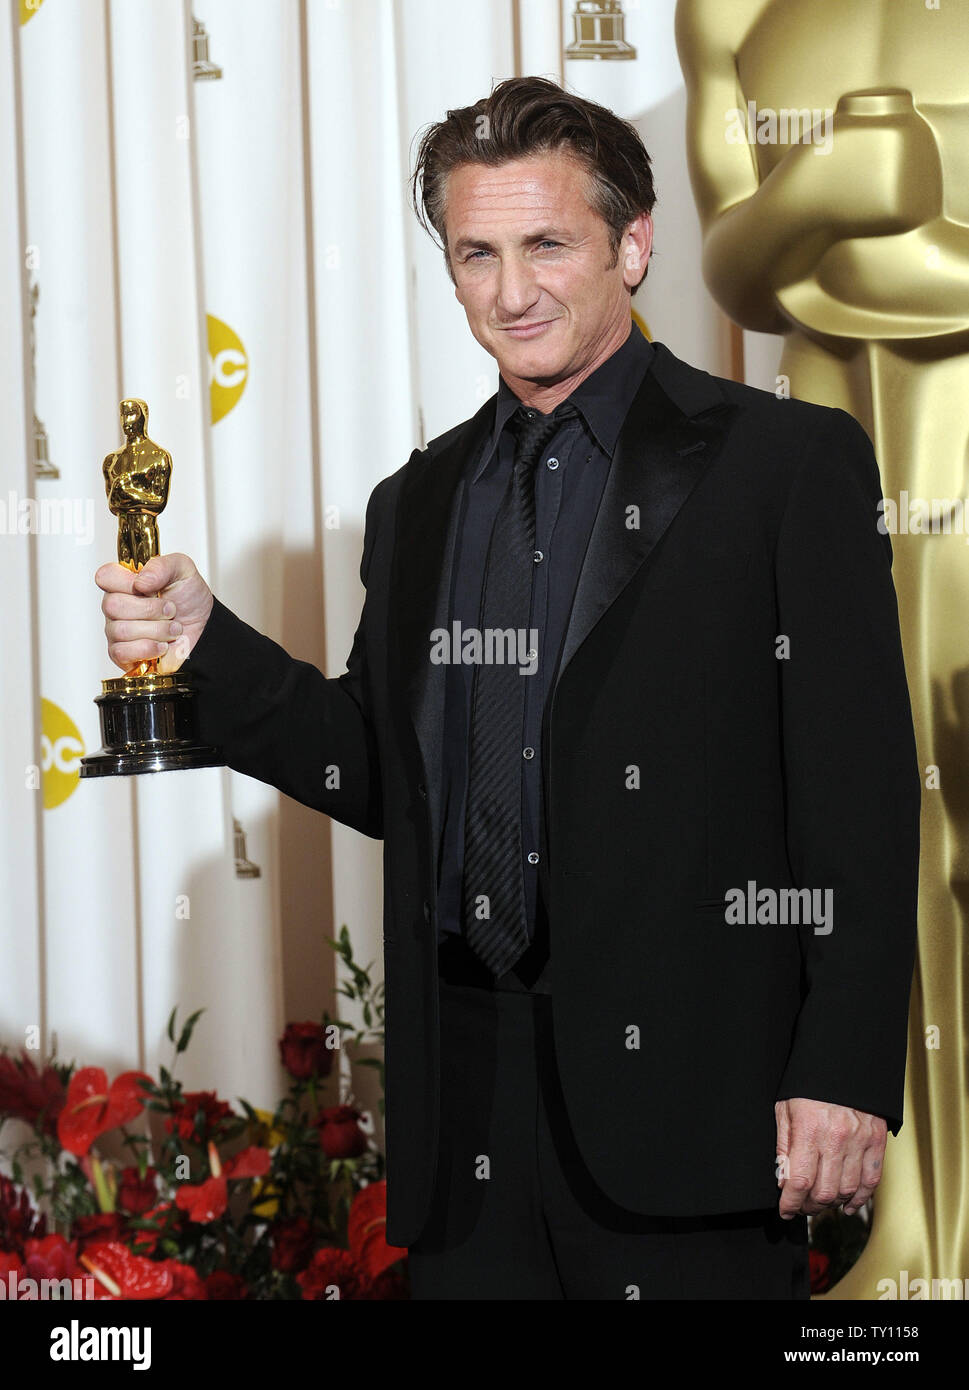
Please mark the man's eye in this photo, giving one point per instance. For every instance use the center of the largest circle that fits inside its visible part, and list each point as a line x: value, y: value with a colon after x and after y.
x: 550, y: 243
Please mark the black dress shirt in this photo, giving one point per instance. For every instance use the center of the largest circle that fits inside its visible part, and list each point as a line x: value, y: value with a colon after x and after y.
x: 569, y: 479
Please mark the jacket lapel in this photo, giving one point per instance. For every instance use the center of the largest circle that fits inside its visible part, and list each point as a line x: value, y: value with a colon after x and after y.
x: 427, y: 516
x: 674, y: 430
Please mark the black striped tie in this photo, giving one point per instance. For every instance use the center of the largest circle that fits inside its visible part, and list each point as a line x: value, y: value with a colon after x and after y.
x: 494, y: 888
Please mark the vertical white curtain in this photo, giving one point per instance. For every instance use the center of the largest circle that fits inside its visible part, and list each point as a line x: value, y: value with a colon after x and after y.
x: 224, y: 229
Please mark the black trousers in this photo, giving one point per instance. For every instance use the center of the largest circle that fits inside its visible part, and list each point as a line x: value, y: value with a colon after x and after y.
x: 515, y: 1214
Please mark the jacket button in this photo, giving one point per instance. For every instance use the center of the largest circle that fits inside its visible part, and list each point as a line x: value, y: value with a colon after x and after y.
x: 422, y: 790
x: 427, y: 911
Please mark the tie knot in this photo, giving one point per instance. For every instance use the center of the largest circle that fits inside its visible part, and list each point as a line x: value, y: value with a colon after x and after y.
x: 533, y: 430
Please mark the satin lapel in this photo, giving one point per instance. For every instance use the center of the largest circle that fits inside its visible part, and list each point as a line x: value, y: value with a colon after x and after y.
x: 427, y: 515
x: 675, y: 429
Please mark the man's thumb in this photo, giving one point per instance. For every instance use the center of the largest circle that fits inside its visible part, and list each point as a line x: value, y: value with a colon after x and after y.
x: 153, y: 577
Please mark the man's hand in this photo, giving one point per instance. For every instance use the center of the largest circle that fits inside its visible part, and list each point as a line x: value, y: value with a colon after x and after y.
x: 826, y: 1154
x: 139, y: 626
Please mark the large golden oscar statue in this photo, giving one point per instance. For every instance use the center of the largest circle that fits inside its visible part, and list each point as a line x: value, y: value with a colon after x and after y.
x: 829, y: 154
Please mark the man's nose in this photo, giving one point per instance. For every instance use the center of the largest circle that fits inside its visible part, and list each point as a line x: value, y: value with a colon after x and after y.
x: 517, y: 290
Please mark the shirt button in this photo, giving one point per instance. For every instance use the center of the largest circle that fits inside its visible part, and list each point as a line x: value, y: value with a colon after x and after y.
x: 531, y: 654
x: 533, y: 858
x: 528, y: 753
x: 538, y: 557
x: 552, y: 463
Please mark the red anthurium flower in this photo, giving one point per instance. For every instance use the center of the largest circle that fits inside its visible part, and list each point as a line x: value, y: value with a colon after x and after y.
x: 92, y: 1107
x: 206, y: 1201
x: 187, y: 1284
x: 365, y: 1229
x: 203, y: 1201
x: 250, y: 1163
x: 122, y: 1274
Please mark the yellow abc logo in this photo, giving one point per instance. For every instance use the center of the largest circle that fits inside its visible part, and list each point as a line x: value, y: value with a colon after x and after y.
x: 61, y: 749
x: 228, y: 367
x: 640, y: 323
x: 28, y: 8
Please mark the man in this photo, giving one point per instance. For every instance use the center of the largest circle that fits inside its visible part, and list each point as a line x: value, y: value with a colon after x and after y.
x: 627, y: 705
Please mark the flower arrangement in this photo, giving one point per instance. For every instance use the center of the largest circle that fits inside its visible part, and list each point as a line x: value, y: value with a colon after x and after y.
x: 138, y: 1189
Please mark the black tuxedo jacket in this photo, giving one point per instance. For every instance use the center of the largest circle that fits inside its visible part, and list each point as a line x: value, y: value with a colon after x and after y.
x: 731, y: 712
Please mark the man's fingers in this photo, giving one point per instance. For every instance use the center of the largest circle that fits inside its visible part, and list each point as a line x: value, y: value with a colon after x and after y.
x: 803, y: 1171
x: 128, y: 654
x: 158, y: 574
x: 114, y: 578
x: 827, y: 1188
x: 871, y: 1172
x: 118, y: 607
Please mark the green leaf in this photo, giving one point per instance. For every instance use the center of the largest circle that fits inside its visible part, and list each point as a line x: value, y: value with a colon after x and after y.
x: 171, y: 1024
x: 186, y: 1034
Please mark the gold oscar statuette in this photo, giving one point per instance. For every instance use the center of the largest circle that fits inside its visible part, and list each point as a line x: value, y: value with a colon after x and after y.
x: 148, y: 720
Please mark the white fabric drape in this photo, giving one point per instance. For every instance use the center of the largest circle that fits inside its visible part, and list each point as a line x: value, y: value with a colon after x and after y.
x: 243, y: 241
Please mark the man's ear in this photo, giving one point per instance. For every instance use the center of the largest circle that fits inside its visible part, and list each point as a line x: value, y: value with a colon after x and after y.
x: 637, y: 243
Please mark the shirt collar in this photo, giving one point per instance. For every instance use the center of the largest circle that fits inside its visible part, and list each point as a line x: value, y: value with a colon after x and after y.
x: 603, y: 398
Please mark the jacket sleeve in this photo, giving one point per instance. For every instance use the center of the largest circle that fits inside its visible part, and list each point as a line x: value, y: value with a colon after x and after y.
x: 852, y: 782
x: 282, y: 721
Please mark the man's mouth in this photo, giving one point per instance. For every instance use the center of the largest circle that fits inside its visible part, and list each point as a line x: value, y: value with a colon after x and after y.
x: 528, y: 330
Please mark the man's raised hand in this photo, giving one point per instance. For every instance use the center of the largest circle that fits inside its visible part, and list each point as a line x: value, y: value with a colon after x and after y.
x: 159, y: 611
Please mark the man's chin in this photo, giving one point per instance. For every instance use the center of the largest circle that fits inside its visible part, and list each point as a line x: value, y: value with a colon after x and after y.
x: 544, y: 368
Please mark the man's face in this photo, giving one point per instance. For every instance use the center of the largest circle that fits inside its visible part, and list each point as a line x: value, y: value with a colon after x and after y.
x: 533, y: 268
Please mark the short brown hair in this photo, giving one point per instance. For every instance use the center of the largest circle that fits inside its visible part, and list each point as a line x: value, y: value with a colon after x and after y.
x: 528, y: 116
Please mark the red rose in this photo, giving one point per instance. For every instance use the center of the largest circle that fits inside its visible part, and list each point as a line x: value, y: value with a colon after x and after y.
x: 819, y: 1266
x: 223, y: 1286
x: 10, y: 1263
x: 137, y: 1195
x: 292, y: 1244
x: 387, y: 1287
x: 304, y: 1052
x: 331, y: 1273
x: 198, y: 1117
x: 51, y: 1258
x: 18, y: 1219
x: 340, y: 1132
x: 31, y: 1095
x: 96, y: 1229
